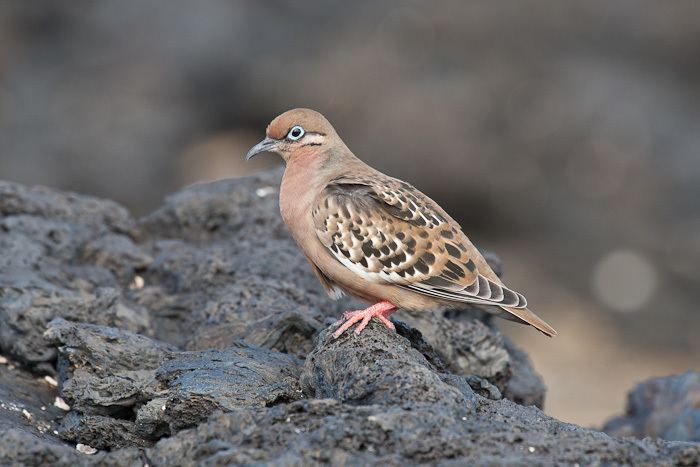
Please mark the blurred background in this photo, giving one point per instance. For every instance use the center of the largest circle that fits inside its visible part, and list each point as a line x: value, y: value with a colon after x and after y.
x: 565, y: 136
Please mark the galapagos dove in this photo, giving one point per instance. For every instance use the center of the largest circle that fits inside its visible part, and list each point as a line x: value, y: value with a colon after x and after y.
x: 374, y: 237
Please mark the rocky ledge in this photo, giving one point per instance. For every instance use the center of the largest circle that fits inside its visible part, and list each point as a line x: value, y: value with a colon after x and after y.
x: 198, y: 335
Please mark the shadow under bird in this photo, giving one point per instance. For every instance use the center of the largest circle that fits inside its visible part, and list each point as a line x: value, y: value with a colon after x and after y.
x: 374, y: 237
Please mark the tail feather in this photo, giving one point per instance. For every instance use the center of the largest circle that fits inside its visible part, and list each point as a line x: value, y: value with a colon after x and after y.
x: 527, y: 316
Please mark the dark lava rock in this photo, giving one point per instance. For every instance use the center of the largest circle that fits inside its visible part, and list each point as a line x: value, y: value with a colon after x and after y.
x: 186, y: 338
x: 377, y: 367
x: 667, y: 408
x: 103, y: 370
x: 471, y: 348
x: 45, y: 237
x: 319, y: 431
x: 524, y: 386
x: 27, y: 402
x: 101, y: 432
x: 20, y: 447
x: 259, y: 310
x: 199, y: 383
x: 125, y: 389
x: 225, y: 268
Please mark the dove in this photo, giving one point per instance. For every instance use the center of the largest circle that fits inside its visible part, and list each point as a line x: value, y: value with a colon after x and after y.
x: 374, y: 237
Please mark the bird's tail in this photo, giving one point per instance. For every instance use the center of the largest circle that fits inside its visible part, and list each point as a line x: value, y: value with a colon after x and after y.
x: 528, y: 317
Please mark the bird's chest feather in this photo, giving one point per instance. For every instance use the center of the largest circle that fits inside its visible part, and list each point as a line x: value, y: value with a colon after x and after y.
x: 297, y: 194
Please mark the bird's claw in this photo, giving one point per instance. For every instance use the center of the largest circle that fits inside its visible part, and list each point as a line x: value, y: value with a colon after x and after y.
x: 381, y: 311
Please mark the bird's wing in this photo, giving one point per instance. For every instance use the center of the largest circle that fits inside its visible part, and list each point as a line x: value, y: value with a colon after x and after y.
x: 387, y: 231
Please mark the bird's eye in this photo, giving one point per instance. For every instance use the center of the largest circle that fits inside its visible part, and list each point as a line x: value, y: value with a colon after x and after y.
x: 295, y: 133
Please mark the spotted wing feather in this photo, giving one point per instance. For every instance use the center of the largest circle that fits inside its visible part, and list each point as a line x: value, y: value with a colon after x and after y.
x: 387, y: 231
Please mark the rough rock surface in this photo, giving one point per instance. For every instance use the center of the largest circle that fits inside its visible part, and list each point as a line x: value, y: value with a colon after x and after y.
x: 198, y: 335
x: 27, y: 401
x: 382, y: 368
x: 667, y: 408
x: 125, y: 389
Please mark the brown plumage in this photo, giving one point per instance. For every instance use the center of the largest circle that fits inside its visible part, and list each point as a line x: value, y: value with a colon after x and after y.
x: 375, y: 237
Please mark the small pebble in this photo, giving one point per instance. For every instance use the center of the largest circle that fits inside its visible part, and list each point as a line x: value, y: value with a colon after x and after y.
x: 85, y: 448
x: 3, y: 360
x: 137, y: 283
x: 531, y: 449
x: 26, y: 414
x: 61, y: 404
x: 51, y: 381
x: 265, y: 191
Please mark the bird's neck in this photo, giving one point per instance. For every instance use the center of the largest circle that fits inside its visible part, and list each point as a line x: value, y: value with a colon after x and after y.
x: 299, y: 184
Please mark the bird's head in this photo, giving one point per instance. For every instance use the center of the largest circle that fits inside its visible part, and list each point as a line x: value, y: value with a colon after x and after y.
x: 295, y: 134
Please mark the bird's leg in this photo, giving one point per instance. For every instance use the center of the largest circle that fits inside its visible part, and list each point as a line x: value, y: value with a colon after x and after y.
x: 380, y: 310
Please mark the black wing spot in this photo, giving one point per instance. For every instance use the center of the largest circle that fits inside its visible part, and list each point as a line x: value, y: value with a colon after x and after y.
x: 455, y: 268
x: 428, y: 258
x: 423, y: 234
x: 452, y: 250
x: 400, y: 258
x: 447, y: 234
x: 363, y: 261
x: 470, y: 265
x: 450, y: 275
x: 421, y: 267
x: 400, y: 235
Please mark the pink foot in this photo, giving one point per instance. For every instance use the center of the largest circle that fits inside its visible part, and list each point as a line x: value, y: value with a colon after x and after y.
x: 381, y: 311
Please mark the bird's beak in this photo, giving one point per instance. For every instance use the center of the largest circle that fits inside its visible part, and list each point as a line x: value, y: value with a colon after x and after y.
x: 268, y: 144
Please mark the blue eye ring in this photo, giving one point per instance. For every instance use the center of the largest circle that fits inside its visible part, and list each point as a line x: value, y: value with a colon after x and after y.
x: 295, y: 133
